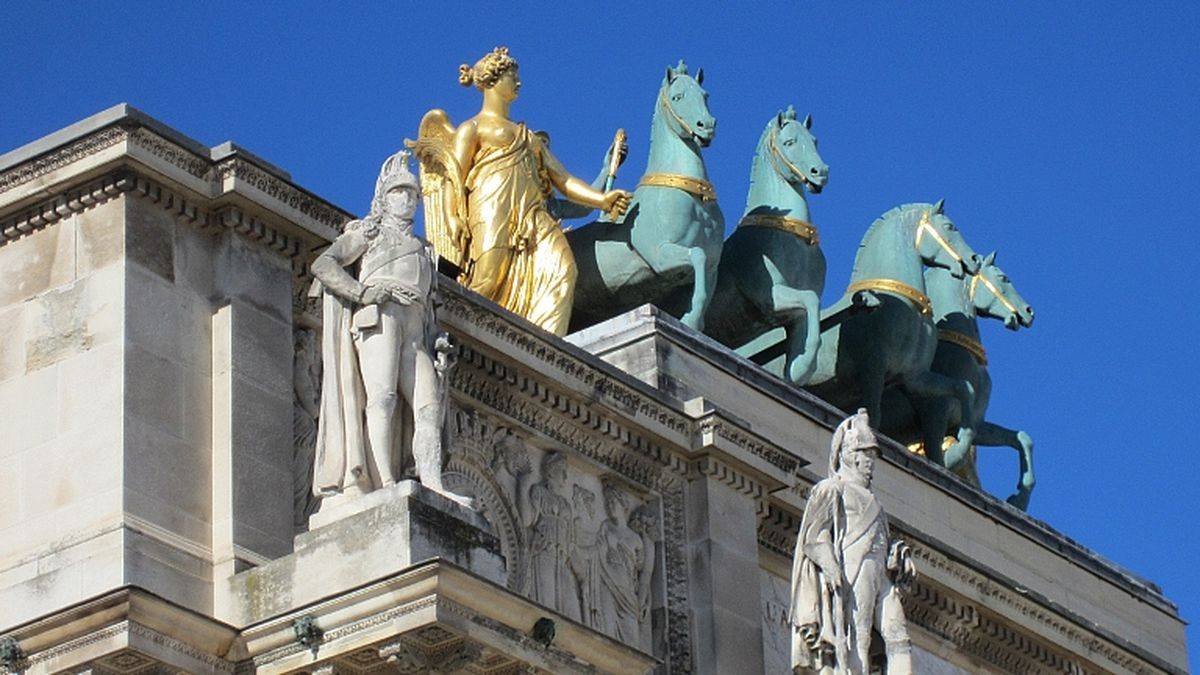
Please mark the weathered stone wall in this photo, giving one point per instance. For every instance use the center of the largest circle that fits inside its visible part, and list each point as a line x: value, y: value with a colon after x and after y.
x: 61, y: 379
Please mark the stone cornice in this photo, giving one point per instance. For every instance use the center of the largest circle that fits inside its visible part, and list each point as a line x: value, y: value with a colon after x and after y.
x: 266, y: 232
x: 649, y: 321
x: 1064, y: 644
x: 127, y: 137
x: 44, y: 213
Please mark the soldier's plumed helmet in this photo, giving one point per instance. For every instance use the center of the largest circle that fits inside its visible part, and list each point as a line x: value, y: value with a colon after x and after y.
x: 854, y: 433
x: 392, y: 175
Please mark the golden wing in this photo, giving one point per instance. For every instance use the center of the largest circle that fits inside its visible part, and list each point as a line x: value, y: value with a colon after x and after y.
x: 442, y: 187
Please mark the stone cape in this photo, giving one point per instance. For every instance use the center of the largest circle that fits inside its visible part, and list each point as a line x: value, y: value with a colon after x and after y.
x: 159, y: 289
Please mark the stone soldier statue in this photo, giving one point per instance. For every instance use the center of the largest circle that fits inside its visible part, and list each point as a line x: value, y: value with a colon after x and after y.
x: 378, y: 280
x: 846, y: 571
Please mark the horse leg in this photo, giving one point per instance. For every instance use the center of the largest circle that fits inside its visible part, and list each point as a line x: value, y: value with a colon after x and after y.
x: 785, y: 300
x: 933, y: 416
x: 872, y: 382
x: 995, y: 435
x: 702, y: 280
x: 936, y: 385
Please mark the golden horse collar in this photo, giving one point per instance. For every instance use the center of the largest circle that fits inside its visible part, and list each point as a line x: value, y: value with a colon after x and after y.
x: 697, y: 186
x: 801, y: 228
x: 966, y: 342
x: 895, y: 287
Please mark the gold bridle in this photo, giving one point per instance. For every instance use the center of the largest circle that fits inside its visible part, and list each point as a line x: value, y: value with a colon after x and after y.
x: 926, y: 225
x: 976, y: 279
x: 666, y: 104
x: 778, y: 154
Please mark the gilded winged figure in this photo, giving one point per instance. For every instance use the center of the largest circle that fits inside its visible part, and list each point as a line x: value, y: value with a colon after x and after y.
x: 486, y: 186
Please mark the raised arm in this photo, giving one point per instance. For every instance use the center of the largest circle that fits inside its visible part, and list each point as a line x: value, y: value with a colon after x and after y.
x: 580, y: 192
x: 563, y: 209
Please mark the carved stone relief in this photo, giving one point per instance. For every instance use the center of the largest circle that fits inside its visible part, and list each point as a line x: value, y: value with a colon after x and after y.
x: 306, y: 402
x: 575, y: 539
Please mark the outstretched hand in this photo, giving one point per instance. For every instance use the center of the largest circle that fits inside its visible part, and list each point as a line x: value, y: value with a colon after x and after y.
x: 616, y: 202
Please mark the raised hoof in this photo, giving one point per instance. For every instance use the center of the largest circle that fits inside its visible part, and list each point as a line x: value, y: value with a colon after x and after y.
x: 694, y: 321
x: 1019, y: 500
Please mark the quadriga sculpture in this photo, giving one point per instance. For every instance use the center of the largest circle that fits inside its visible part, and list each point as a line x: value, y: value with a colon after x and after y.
x: 666, y: 248
x: 772, y: 269
x: 926, y: 420
x: 895, y: 342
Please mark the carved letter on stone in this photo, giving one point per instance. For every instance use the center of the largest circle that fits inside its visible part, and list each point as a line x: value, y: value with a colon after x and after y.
x: 846, y: 573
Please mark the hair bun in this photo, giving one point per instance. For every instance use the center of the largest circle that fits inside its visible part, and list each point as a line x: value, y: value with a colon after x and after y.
x: 465, y: 75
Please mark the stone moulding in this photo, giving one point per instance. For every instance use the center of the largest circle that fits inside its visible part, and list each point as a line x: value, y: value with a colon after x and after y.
x: 979, y: 632
x: 70, y: 202
x: 431, y: 607
x: 64, y: 156
x: 222, y: 171
x: 127, y: 181
x: 434, y: 607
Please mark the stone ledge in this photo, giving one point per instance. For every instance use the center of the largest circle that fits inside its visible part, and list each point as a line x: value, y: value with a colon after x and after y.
x: 123, y: 136
x: 396, y: 528
x: 648, y: 321
x: 427, y: 611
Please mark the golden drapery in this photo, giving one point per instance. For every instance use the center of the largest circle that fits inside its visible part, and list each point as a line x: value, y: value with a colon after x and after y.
x: 519, y: 256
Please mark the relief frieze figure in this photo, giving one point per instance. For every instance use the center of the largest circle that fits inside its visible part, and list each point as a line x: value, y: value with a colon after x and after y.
x: 306, y: 408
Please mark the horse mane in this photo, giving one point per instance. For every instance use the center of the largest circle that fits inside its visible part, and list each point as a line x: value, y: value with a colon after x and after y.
x: 890, y: 215
x: 759, y: 154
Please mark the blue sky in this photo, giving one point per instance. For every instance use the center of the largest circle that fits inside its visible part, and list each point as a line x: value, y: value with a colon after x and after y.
x: 1061, y: 135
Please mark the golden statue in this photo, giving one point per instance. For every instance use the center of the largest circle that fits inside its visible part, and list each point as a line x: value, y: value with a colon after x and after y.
x: 486, y: 186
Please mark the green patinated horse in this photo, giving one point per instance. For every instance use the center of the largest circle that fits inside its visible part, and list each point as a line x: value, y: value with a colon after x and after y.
x: 772, y: 269
x: 666, y: 247
x: 895, y: 343
x: 928, y: 419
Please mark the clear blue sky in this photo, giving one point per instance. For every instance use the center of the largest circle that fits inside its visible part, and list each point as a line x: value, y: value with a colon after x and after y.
x: 1061, y: 134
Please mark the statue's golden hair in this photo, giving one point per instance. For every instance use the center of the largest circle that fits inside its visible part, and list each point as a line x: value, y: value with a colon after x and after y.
x: 488, y: 70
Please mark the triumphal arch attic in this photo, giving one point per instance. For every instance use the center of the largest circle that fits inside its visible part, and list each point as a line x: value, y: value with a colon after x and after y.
x: 248, y: 431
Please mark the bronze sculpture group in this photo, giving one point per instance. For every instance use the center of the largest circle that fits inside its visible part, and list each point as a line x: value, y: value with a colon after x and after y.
x: 911, y: 361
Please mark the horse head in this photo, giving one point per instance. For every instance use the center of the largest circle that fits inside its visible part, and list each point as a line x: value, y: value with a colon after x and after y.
x: 940, y: 244
x: 792, y: 149
x: 684, y: 105
x: 993, y: 295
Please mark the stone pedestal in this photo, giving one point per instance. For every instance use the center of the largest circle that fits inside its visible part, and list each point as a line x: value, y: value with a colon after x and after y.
x: 373, y: 536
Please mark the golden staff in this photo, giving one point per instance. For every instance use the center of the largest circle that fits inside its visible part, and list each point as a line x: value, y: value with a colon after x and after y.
x: 614, y: 161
